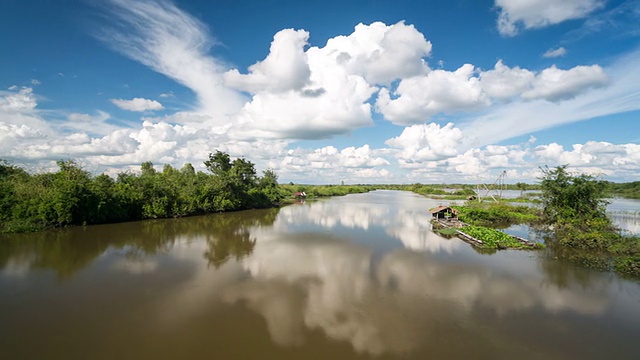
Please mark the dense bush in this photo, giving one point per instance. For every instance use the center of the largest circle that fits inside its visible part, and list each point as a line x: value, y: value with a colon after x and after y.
x: 495, y: 239
x: 574, y: 207
x: 496, y: 214
x: 628, y: 190
x: 72, y: 196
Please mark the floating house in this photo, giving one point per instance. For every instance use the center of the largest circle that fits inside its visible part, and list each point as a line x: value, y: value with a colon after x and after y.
x: 444, y: 212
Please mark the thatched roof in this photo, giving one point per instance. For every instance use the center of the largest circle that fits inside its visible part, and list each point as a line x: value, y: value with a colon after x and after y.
x: 443, y: 208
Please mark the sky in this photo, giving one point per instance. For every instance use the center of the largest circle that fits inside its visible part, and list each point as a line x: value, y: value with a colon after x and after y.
x: 324, y: 92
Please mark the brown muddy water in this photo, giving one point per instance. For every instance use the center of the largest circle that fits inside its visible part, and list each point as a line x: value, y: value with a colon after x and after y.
x: 353, y: 277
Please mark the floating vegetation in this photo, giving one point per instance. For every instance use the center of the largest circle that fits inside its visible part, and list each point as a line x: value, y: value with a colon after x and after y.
x: 483, y: 237
x: 496, y: 239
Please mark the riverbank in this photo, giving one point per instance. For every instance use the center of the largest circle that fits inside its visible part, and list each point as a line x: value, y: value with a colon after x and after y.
x: 72, y: 196
x: 600, y: 247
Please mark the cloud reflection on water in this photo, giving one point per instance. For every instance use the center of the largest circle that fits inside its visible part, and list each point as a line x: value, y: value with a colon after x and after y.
x: 332, y: 267
x: 410, y: 225
x: 387, y: 305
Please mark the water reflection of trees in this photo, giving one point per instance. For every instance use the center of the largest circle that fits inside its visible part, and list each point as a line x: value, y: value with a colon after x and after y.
x: 66, y: 251
x: 229, y: 235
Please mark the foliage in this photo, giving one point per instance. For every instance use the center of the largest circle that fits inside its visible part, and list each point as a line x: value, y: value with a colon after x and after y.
x: 314, y: 191
x: 574, y: 207
x: 495, y: 239
x: 72, y: 196
x: 628, y: 190
x: 496, y: 214
x: 628, y: 265
x: 572, y: 198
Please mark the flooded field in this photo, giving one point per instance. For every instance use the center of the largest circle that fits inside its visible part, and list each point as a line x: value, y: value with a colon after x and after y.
x: 359, y: 276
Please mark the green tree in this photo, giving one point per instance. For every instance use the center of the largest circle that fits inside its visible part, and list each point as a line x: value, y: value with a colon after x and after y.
x: 72, y: 198
x: 234, y: 182
x: 188, y: 170
x: 268, y: 191
x: 147, y: 168
x: 159, y: 195
x: 243, y: 173
x: 219, y: 163
x: 572, y: 198
x: 11, y: 179
x: 108, y: 207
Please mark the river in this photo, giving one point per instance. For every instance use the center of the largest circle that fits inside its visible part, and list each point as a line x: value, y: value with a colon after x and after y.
x: 359, y: 276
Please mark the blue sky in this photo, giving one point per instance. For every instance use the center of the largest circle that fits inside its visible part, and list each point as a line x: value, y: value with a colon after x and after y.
x: 324, y: 92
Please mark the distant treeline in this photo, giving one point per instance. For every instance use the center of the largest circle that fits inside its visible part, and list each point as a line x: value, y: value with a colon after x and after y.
x: 72, y: 196
x: 627, y: 190
x: 313, y: 191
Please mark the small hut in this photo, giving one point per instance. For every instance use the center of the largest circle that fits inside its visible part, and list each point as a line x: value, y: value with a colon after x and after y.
x: 444, y: 212
x: 300, y: 195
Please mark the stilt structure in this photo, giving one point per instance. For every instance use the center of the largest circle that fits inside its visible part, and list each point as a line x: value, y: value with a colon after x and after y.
x: 496, y: 188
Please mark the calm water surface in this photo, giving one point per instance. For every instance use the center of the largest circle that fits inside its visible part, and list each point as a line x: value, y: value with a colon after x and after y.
x: 359, y: 276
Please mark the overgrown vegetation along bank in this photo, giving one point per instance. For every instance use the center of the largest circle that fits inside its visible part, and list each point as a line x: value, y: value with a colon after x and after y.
x: 485, y: 217
x: 629, y: 190
x: 574, y: 213
x: 574, y: 207
x: 496, y: 215
x: 490, y: 239
x: 72, y: 196
x: 495, y: 239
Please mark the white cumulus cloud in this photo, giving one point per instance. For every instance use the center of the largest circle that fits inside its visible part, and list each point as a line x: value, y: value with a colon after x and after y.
x: 504, y: 82
x: 555, y: 84
x: 554, y: 53
x: 419, y: 143
x: 381, y: 53
x: 326, y: 91
x: 551, y: 84
x: 330, y: 157
x: 137, y: 104
x: 418, y: 98
x: 21, y: 101
x: 285, y: 68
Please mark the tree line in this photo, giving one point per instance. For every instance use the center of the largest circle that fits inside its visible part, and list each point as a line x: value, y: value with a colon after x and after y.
x: 629, y: 190
x: 73, y: 196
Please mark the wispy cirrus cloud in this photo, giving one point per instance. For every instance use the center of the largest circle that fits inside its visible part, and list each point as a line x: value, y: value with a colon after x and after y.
x: 159, y: 35
x: 623, y: 20
x: 515, y: 15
